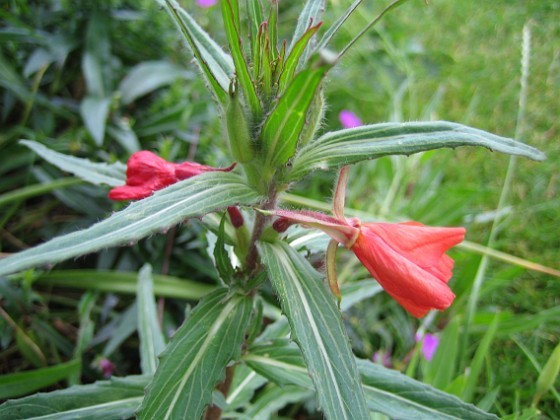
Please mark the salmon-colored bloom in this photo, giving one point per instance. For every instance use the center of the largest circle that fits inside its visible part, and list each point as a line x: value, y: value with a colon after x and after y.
x: 146, y: 172
x: 407, y: 259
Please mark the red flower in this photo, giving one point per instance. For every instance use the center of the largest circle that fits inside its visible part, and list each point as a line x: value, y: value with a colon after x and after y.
x: 146, y: 172
x: 407, y: 259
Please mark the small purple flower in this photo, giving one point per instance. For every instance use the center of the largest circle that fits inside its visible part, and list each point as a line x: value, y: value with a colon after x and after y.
x: 107, y: 367
x: 430, y: 343
x: 206, y: 3
x: 348, y: 119
x: 383, y: 358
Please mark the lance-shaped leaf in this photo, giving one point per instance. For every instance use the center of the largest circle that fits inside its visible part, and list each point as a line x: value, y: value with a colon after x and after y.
x: 217, y: 66
x: 196, y: 357
x: 230, y: 13
x: 310, y: 15
x: 125, y: 282
x: 387, y: 391
x: 293, y: 58
x: 396, y: 395
x: 317, y: 328
x: 192, y: 197
x: 22, y: 383
x: 115, y: 399
x: 94, y: 172
x: 152, y: 342
x: 352, y: 145
x: 283, y: 126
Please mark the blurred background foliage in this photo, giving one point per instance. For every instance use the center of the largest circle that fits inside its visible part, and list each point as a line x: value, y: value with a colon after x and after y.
x: 104, y: 79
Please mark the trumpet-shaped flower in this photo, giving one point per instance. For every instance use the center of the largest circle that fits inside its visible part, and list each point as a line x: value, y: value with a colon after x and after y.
x: 146, y: 172
x: 407, y: 259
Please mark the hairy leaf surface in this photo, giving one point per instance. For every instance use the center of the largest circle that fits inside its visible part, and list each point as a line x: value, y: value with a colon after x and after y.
x: 344, y: 147
x: 193, y: 197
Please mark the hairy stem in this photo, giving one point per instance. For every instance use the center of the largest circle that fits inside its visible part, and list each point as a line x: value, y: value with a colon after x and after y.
x: 258, y: 228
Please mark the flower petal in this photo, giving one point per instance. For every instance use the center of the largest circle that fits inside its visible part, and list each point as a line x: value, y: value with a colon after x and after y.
x: 408, y: 261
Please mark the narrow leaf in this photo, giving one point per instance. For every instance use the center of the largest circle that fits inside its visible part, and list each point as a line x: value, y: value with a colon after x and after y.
x: 230, y: 9
x: 396, y: 395
x: 317, y: 328
x: 310, y: 15
x: 22, y: 383
x: 96, y: 173
x: 280, y: 361
x: 152, y: 342
x: 149, y: 76
x: 94, y: 111
x: 216, y: 65
x: 283, y: 126
x: 124, y: 282
x: 195, y: 360
x: 221, y: 256
x: 115, y: 399
x: 274, y: 398
x: 193, y: 197
x: 352, y: 145
x: 548, y: 375
x: 478, y: 361
x: 442, y: 368
x: 293, y: 58
x: 387, y: 391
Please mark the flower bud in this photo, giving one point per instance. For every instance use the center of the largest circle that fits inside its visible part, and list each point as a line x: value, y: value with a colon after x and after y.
x: 238, y: 130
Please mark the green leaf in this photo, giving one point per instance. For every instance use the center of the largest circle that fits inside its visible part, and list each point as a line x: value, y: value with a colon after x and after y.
x: 274, y: 398
x: 344, y: 147
x: 310, y: 15
x: 22, y: 383
x: 280, y: 361
x: 283, y: 126
x: 94, y: 111
x: 96, y: 173
x: 217, y: 66
x: 230, y: 14
x: 478, y: 361
x: 396, y: 395
x: 548, y: 375
x: 317, y: 328
x: 243, y: 386
x: 193, y: 197
x: 152, y: 342
x: 387, y: 391
x: 126, y: 325
x: 122, y: 132
x: 124, y: 282
x: 115, y: 399
x: 358, y: 291
x: 196, y: 357
x: 293, y: 58
x: 149, y: 76
x: 441, y: 369
x: 221, y: 256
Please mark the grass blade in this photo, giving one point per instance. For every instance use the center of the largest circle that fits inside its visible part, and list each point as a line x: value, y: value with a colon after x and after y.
x: 152, y: 342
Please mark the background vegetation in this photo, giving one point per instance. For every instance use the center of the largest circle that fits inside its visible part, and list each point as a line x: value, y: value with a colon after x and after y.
x: 63, y: 77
